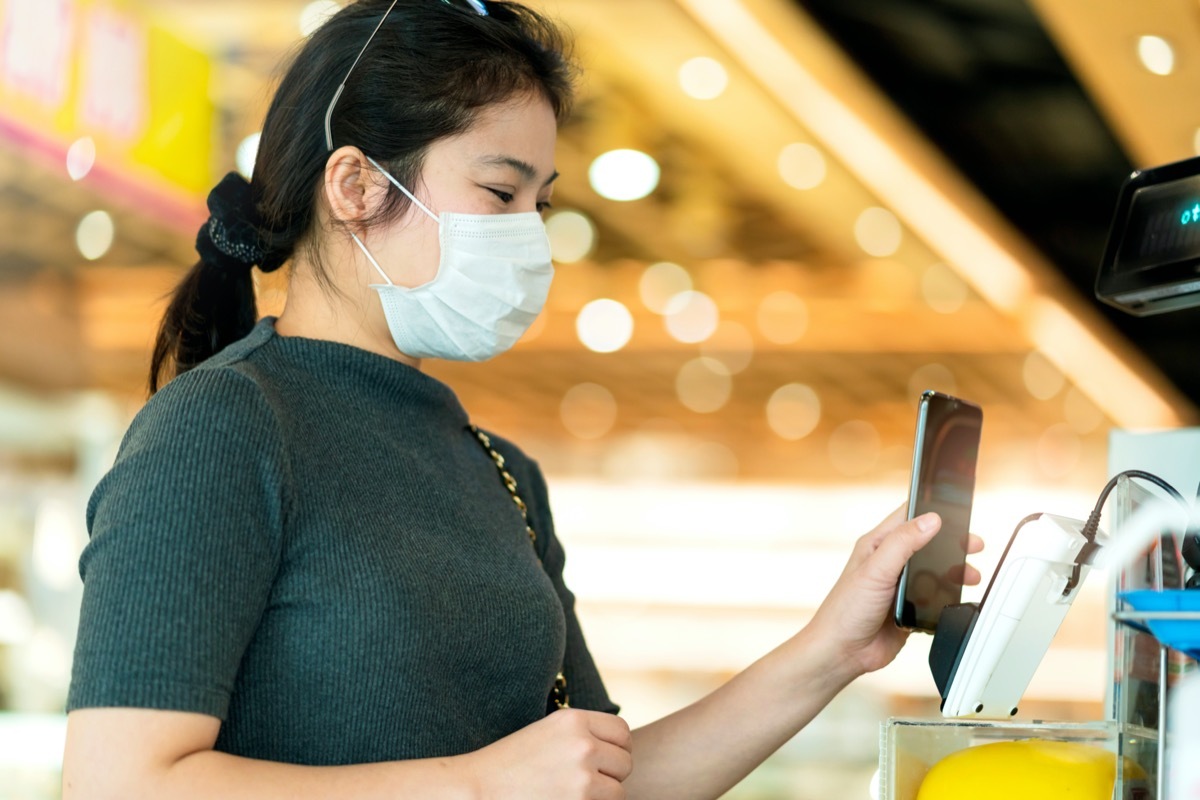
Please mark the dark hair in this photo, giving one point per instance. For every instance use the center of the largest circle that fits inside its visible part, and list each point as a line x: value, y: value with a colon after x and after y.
x: 429, y: 72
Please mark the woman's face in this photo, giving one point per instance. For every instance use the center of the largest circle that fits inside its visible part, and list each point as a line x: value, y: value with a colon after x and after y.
x: 503, y: 164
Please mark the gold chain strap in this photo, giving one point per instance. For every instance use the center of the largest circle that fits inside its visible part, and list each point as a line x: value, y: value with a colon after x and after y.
x: 558, y: 693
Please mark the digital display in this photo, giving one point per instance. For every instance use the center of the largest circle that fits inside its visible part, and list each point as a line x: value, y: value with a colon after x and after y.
x: 1163, y: 226
x: 944, y: 482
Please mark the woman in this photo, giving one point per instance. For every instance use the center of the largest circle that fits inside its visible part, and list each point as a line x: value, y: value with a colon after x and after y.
x: 308, y: 575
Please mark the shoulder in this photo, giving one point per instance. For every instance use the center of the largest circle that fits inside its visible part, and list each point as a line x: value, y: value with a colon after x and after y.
x: 224, y: 394
x: 520, y: 464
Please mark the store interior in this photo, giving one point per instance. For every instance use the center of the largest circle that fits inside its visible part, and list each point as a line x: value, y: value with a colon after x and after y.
x: 777, y: 223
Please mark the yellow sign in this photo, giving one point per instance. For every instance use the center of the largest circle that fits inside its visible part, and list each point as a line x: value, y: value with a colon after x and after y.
x: 98, y: 68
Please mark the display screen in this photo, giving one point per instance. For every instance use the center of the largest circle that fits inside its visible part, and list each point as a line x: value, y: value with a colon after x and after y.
x: 1163, y: 226
x: 947, y: 449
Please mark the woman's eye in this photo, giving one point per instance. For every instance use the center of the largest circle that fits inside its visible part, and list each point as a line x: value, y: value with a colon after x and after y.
x: 505, y: 197
x: 544, y: 205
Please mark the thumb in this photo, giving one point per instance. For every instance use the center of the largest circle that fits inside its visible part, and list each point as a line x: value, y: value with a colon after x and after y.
x: 901, y: 543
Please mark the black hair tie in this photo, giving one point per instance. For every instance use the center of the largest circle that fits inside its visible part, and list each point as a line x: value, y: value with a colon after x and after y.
x: 231, y: 238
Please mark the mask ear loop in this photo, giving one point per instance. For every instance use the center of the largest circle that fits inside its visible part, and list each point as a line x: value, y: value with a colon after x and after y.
x: 371, y: 258
x: 407, y: 193
x: 410, y: 196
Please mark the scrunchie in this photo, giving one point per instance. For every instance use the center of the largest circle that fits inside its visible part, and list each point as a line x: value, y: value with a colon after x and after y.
x: 231, y: 238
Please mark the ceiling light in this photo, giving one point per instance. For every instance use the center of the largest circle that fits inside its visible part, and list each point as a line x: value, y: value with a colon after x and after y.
x: 801, y: 166
x: 316, y: 14
x: 704, y: 385
x: 703, y: 78
x: 1156, y: 54
x: 794, y: 411
x: 588, y: 410
x: 81, y: 157
x: 692, y: 317
x: 661, y: 282
x: 783, y: 317
x: 878, y: 232
x: 604, y: 326
x: 572, y: 236
x: 624, y: 175
x: 247, y: 155
x: 95, y: 234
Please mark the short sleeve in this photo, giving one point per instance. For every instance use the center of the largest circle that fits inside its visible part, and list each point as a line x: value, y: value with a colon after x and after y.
x: 584, y: 684
x: 185, y: 538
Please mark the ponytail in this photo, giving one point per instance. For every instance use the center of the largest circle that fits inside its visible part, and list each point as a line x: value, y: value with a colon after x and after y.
x: 214, y: 305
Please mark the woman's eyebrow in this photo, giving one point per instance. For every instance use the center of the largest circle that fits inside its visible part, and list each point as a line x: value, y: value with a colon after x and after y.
x: 526, y: 170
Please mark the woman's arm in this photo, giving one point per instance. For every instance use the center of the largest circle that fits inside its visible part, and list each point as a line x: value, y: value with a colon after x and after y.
x: 130, y: 754
x: 141, y: 754
x: 706, y: 748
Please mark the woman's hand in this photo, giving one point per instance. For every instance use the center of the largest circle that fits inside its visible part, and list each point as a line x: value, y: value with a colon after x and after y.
x: 569, y: 755
x: 855, y: 619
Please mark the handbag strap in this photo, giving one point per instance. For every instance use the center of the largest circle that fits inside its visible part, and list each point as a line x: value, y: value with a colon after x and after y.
x: 558, y: 692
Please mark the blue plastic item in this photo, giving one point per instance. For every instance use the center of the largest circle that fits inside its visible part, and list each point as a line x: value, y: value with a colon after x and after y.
x: 1180, y: 634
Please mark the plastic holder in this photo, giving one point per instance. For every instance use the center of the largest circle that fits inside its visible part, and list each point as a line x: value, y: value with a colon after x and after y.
x: 909, y: 748
x: 1170, y: 615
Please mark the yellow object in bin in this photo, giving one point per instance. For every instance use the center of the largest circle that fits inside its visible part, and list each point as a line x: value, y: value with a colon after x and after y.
x: 1031, y: 769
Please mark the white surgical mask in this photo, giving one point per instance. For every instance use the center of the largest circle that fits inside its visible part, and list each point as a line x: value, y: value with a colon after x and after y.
x: 493, y: 277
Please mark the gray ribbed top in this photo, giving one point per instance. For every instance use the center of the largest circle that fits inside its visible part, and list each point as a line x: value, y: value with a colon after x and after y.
x: 304, y: 539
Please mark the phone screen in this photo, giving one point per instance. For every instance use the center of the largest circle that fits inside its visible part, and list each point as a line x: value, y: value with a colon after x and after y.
x: 943, y: 480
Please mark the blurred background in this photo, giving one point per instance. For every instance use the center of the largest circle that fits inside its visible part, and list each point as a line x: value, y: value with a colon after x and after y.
x: 778, y: 222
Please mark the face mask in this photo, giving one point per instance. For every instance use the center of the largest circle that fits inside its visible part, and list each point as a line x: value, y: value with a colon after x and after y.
x: 493, y: 277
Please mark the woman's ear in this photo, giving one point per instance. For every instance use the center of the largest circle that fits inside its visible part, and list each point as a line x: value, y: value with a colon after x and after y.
x: 352, y: 187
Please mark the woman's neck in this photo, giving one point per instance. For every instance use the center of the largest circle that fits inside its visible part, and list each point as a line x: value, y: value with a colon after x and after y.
x: 313, y: 311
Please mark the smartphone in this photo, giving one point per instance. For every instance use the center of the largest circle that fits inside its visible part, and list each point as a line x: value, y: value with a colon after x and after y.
x: 943, y: 480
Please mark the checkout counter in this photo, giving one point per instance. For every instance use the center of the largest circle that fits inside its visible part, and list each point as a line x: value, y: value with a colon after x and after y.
x: 1149, y: 745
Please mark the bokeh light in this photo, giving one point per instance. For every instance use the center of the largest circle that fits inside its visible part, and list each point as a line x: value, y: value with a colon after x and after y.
x: 588, y: 410
x: 704, y: 385
x: 95, y: 235
x: 247, y: 155
x: 802, y: 166
x: 1042, y: 378
x: 703, y: 78
x: 854, y: 448
x: 624, y: 175
x: 1156, y: 54
x: 572, y: 236
x: 604, y: 326
x: 878, y: 232
x: 660, y: 283
x: 81, y: 157
x: 794, y: 411
x: 692, y: 317
x: 782, y: 317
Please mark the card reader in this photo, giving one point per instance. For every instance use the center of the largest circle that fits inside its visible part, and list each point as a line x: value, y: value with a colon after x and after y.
x: 984, y: 655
